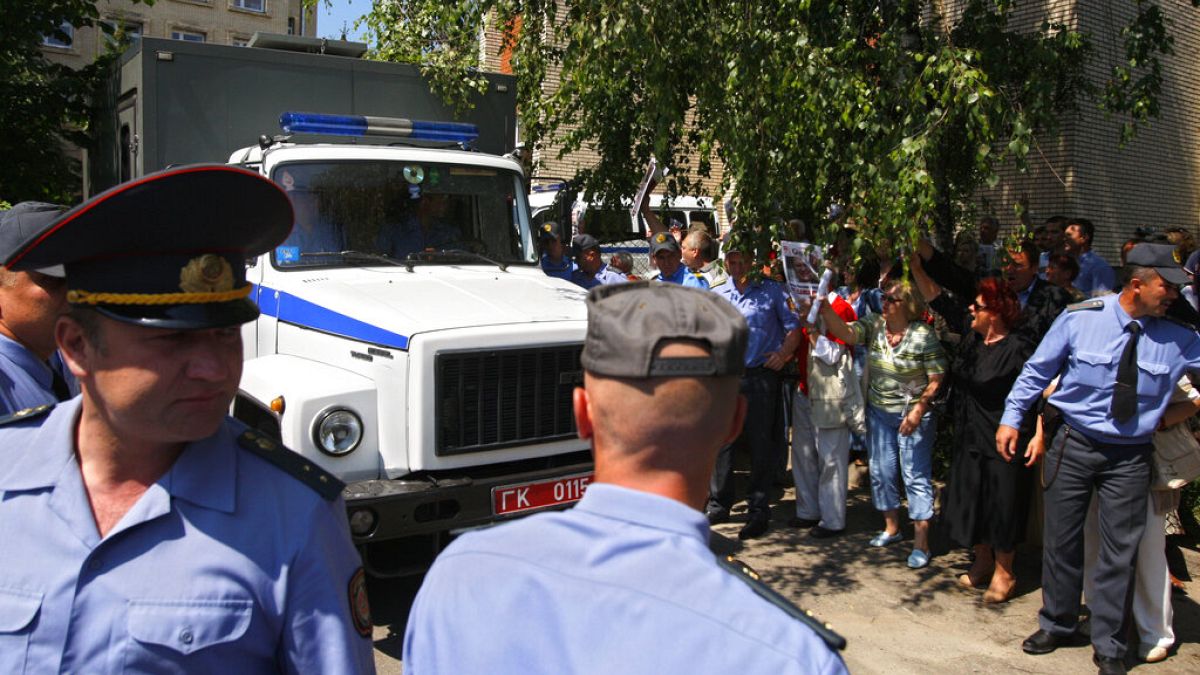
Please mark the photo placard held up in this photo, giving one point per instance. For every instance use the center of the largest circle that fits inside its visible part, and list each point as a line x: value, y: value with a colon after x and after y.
x: 807, y: 278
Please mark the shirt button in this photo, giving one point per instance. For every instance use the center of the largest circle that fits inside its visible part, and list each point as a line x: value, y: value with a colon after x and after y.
x: 185, y: 636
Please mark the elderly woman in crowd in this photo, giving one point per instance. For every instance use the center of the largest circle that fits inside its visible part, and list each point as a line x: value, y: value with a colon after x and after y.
x: 906, y: 365
x: 988, y: 495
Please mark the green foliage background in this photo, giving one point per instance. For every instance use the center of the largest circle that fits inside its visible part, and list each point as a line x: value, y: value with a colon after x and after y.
x: 886, y: 106
x: 45, y: 106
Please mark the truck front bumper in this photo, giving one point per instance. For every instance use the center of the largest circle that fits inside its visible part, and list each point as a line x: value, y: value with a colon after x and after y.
x: 423, y: 514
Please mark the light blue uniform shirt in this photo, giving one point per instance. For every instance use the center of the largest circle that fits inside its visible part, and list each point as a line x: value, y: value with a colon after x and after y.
x: 604, y: 276
x: 25, y: 380
x: 622, y: 583
x: 1090, y: 343
x: 563, y: 269
x: 684, y: 277
x: 1095, y: 275
x: 766, y: 310
x: 225, y: 565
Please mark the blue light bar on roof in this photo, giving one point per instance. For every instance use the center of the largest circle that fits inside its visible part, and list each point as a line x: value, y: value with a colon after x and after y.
x: 365, y: 125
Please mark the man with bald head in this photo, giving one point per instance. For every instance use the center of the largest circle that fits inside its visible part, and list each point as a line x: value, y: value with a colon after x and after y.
x: 623, y: 582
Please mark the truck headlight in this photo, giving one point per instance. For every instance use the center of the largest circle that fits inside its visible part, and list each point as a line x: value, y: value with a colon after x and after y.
x: 337, y: 432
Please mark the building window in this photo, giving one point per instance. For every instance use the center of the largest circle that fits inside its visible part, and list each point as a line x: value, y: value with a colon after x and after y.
x: 63, y: 39
x: 251, y: 5
x: 130, y: 30
x: 239, y: 41
x: 187, y: 35
x: 291, y: 25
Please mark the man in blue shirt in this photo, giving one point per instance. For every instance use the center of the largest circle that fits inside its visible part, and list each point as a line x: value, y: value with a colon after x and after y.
x: 144, y: 531
x: 31, y: 375
x: 774, y: 337
x: 592, y: 271
x: 1096, y: 277
x: 1119, y: 361
x: 668, y: 256
x: 555, y: 261
x: 624, y: 582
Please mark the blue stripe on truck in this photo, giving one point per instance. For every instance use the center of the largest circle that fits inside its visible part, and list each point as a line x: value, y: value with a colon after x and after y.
x: 291, y: 309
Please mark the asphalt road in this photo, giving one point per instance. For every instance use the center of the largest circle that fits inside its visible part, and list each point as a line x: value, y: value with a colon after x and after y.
x: 897, y: 620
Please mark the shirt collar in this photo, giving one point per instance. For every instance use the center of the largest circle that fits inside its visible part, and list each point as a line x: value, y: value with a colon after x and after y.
x: 26, y: 361
x: 205, y: 474
x: 644, y: 509
x: 1123, y: 318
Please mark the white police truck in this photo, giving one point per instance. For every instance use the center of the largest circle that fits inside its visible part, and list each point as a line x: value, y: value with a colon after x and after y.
x: 408, y: 343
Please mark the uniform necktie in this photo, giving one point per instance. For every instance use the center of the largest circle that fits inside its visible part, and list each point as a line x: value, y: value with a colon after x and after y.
x: 1124, y: 403
x: 59, y: 385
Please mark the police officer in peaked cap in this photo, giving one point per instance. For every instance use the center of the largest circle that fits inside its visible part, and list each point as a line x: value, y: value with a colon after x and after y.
x: 145, y: 531
x: 1119, y: 360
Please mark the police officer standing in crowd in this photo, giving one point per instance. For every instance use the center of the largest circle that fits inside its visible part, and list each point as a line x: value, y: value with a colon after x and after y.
x: 31, y: 374
x: 592, y: 271
x: 555, y: 261
x: 624, y: 582
x: 774, y: 336
x: 1119, y: 361
x: 668, y: 257
x: 144, y: 531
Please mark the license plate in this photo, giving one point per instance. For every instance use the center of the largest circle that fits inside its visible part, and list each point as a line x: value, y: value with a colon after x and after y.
x: 510, y: 499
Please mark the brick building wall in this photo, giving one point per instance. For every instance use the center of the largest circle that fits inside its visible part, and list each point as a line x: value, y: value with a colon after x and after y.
x: 1081, y: 171
x: 219, y: 21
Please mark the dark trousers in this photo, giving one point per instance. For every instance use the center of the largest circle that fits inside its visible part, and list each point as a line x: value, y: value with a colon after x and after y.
x: 760, y: 386
x: 1120, y: 477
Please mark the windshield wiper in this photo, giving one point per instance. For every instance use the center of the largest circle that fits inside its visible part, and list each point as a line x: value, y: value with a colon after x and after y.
x: 457, y: 252
x: 363, y: 255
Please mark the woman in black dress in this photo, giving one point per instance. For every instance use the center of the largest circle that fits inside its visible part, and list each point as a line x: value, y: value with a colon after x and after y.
x: 988, y: 498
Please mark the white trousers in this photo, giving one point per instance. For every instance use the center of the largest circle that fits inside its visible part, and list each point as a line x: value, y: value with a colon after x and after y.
x: 820, y: 459
x: 1152, y: 611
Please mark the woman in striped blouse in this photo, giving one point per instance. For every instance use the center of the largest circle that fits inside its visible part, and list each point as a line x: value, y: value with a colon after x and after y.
x: 906, y: 365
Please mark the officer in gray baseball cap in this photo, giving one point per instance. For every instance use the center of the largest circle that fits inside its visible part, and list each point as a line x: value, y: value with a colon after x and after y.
x: 631, y: 559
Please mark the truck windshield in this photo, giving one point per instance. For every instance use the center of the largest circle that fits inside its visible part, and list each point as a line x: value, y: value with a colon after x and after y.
x: 402, y: 210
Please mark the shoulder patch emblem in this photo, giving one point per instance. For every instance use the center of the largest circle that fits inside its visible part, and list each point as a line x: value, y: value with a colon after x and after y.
x: 1086, y: 304
x: 360, y: 609
x: 748, y: 576
x: 26, y: 413
x: 321, y: 481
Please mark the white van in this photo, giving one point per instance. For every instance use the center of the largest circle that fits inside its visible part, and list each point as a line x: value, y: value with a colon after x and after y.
x: 614, y: 228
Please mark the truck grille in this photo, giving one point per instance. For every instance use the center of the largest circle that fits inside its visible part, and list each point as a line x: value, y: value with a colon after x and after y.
x: 497, y: 399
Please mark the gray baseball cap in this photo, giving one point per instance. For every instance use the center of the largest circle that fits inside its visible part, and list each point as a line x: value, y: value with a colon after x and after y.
x: 23, y: 222
x: 628, y: 322
x: 1163, y: 258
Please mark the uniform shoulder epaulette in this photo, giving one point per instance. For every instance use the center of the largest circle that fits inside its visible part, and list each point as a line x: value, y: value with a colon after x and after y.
x: 1086, y: 304
x: 26, y: 414
x: 720, y: 283
x: 751, y: 578
x: 321, y: 481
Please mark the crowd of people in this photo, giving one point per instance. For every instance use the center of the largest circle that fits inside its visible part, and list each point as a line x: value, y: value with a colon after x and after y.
x: 1035, y: 353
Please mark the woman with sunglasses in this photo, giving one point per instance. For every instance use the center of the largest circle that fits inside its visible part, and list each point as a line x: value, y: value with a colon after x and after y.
x: 987, y: 497
x: 906, y: 365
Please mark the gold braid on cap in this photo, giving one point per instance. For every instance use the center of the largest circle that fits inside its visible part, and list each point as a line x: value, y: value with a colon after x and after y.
x: 89, y: 298
x: 205, y: 279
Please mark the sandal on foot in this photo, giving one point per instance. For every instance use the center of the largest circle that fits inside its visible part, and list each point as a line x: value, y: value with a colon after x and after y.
x: 883, y: 539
